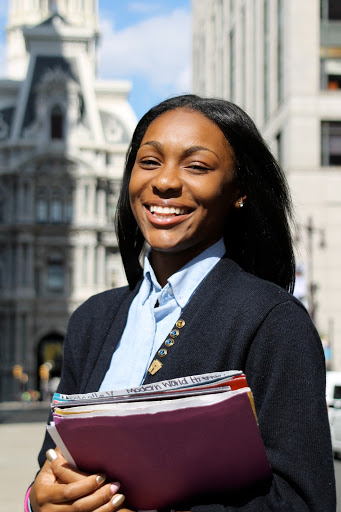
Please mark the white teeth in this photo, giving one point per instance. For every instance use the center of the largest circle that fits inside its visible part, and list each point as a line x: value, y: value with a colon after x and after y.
x: 167, y: 210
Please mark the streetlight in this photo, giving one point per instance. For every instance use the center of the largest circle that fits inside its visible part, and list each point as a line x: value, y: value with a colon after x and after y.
x: 312, y: 286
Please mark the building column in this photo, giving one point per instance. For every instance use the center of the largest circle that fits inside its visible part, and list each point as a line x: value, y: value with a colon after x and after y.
x: 101, y: 270
x: 77, y: 267
x: 78, y: 192
x: 101, y: 207
x: 91, y: 213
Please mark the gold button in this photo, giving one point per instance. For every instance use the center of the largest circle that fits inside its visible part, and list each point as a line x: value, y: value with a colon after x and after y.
x: 174, y: 333
x: 162, y: 352
x: 180, y: 323
x: 169, y: 342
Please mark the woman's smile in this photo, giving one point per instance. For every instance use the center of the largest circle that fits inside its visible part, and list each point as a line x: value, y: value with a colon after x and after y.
x: 182, y: 183
x: 167, y: 215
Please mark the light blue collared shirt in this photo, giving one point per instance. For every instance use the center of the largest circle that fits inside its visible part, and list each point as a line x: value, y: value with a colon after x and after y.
x: 148, y: 326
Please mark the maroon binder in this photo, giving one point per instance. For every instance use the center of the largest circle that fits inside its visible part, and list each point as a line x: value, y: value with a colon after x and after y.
x: 169, y: 457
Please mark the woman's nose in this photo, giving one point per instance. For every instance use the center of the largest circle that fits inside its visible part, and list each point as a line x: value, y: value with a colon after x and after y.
x: 167, y: 178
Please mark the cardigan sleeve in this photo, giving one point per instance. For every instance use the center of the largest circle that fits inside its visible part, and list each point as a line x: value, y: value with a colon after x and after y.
x: 88, y: 327
x: 285, y: 369
x: 66, y: 385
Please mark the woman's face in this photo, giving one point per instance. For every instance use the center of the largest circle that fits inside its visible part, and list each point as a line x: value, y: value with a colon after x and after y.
x: 182, y: 183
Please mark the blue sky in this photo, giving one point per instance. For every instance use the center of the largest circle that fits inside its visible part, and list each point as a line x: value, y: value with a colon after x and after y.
x: 145, y: 41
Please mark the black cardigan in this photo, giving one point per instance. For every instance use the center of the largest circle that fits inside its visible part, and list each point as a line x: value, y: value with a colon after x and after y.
x: 233, y: 321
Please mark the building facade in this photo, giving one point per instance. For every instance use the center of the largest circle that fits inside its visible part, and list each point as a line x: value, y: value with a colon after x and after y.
x: 63, y: 138
x: 280, y: 60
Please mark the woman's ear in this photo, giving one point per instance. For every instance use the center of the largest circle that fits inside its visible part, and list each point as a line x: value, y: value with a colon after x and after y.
x: 240, y: 202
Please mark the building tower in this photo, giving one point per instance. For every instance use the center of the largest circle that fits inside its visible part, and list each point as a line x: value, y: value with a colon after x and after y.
x: 82, y: 13
x: 63, y: 138
x: 280, y: 60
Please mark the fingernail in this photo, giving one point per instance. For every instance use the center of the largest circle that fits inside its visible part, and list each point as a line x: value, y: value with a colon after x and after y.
x: 114, y: 487
x: 51, y: 455
x: 118, y: 500
x: 100, y: 478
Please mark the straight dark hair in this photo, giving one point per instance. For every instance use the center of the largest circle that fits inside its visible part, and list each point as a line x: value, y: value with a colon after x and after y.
x: 258, y: 236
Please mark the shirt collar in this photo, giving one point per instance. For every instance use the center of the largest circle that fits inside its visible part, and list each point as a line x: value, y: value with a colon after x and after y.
x: 186, y: 280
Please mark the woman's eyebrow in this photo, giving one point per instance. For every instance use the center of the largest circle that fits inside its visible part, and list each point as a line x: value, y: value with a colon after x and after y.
x: 194, y: 149
x: 187, y: 152
x: 153, y: 143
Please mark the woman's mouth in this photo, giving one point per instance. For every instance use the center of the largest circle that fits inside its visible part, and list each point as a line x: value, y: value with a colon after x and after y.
x: 167, y: 215
x: 167, y: 210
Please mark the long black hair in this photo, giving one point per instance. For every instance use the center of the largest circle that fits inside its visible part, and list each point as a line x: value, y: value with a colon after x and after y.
x: 258, y: 236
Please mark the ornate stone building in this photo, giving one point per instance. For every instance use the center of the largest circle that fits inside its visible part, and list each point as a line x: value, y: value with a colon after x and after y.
x: 63, y: 138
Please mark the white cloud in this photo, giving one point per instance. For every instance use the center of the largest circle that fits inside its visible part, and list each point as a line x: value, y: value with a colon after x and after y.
x: 159, y: 49
x: 141, y: 7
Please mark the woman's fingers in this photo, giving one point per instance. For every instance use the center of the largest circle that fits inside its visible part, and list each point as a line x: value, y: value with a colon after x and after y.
x: 99, y: 501
x: 63, y: 472
x: 85, y: 495
x: 63, y: 489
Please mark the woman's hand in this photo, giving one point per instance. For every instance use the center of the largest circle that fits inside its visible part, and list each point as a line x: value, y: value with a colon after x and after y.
x: 58, y: 488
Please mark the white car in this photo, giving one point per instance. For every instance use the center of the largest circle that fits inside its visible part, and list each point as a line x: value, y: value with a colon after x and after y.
x: 333, y: 397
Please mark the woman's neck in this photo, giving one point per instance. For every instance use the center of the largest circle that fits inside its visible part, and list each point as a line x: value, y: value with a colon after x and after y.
x: 165, y: 264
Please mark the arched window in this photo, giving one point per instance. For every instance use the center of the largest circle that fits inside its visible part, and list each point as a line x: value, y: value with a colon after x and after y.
x: 57, y: 123
x: 56, y: 206
x: 55, y: 273
x: 42, y: 209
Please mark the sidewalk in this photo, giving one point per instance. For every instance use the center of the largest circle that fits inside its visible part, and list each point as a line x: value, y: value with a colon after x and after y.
x: 19, y: 447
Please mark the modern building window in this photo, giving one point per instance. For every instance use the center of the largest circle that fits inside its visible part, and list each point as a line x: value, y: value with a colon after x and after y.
x: 266, y: 57
x: 331, y: 10
x: 331, y: 73
x: 232, y: 6
x: 244, y: 67
x: 232, y: 66
x: 330, y: 143
x: 279, y: 50
x: 57, y: 123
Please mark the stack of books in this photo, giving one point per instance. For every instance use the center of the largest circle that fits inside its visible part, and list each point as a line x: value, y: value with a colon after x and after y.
x: 168, y: 442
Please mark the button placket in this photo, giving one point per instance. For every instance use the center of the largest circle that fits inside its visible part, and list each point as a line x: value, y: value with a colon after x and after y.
x: 156, y: 365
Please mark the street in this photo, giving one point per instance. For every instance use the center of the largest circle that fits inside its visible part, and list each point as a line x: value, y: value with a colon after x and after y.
x: 19, y: 445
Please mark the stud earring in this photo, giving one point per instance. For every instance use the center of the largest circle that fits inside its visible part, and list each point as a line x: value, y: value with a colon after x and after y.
x: 240, y: 203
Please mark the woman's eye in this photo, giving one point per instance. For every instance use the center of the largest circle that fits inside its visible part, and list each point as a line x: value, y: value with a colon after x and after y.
x: 198, y: 167
x: 148, y: 162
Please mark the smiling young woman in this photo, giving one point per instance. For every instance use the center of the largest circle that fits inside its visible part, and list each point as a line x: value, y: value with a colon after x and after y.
x: 202, y: 192
x: 182, y: 188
